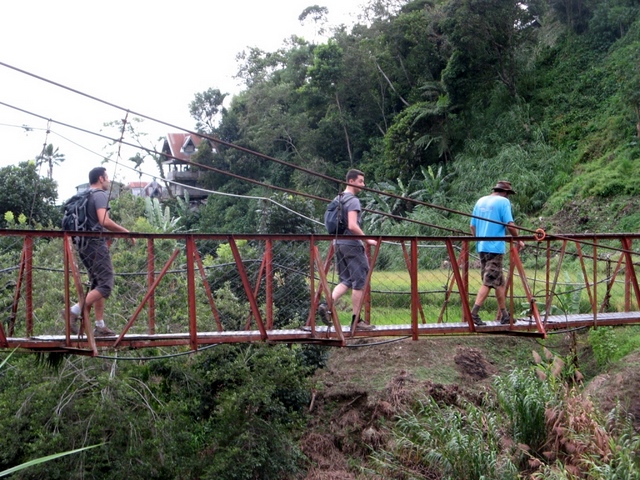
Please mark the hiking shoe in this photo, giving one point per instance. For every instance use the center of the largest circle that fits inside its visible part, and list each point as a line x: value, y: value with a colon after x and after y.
x: 364, y: 326
x: 324, y: 314
x: 103, y: 332
x: 477, y: 320
x: 74, y: 322
x: 506, y: 319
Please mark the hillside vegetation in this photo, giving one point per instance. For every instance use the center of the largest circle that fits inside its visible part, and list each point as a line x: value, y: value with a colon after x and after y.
x: 436, y: 101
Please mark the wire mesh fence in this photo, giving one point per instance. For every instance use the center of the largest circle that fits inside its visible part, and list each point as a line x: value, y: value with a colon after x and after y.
x: 170, y: 284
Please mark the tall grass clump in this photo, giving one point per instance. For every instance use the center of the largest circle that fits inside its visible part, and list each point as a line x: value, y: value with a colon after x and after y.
x: 604, y: 345
x: 448, y: 442
x: 538, y: 423
x: 610, y: 344
x: 625, y: 457
x: 524, y: 398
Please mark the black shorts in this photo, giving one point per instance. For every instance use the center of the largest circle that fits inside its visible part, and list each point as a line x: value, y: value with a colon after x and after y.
x: 353, y: 266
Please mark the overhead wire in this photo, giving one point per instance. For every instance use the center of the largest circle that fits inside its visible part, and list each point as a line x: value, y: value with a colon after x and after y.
x: 267, y: 157
x: 276, y: 160
x: 192, y: 187
x: 168, y: 181
x: 234, y: 146
x: 233, y: 175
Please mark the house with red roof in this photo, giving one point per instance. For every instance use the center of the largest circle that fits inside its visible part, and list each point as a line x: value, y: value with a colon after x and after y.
x: 177, y: 150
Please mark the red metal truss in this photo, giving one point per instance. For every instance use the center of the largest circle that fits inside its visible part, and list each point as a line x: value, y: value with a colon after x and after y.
x: 277, y: 282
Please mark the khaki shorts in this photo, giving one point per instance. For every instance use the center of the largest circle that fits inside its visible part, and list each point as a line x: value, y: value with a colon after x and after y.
x: 491, y: 269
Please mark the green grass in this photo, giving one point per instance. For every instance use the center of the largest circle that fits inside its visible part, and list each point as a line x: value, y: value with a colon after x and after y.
x: 391, y: 293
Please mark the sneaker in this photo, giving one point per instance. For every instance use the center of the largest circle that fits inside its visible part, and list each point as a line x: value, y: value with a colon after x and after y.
x: 103, y: 332
x: 74, y: 322
x: 477, y: 320
x: 506, y: 319
x: 324, y: 314
x: 364, y: 326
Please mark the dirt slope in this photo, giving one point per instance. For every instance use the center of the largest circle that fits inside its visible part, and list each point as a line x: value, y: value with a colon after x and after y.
x: 364, y: 386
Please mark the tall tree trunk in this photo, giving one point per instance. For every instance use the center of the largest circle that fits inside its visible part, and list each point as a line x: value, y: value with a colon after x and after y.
x: 346, y: 131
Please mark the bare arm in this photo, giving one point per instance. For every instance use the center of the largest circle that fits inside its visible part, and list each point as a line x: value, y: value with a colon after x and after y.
x: 513, y: 230
x: 106, y: 222
x: 354, y: 228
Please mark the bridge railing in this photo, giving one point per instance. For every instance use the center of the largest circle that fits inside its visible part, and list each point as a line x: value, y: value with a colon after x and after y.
x: 194, y: 288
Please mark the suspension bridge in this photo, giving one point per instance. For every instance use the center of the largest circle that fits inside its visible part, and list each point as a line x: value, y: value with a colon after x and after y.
x: 194, y: 290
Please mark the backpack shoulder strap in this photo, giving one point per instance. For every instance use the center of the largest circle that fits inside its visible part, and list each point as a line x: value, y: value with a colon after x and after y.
x: 345, y: 196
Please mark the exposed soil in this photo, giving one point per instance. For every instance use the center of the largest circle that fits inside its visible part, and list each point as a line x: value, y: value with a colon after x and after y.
x: 591, y: 215
x: 362, y: 389
x: 619, y: 386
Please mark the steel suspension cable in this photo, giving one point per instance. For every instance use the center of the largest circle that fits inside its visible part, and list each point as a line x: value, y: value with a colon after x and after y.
x: 228, y: 144
x: 230, y: 174
x: 276, y: 160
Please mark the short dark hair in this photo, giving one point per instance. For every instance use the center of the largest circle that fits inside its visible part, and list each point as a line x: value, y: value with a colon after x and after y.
x: 353, y: 174
x: 95, y: 174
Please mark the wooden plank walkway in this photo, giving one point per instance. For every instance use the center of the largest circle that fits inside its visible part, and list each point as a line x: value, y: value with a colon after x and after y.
x: 325, y: 335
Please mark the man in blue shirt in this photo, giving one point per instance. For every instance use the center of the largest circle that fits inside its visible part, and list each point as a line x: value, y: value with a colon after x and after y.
x: 492, y: 217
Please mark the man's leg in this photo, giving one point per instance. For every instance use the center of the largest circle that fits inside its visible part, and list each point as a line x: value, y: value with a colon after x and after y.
x: 93, y: 298
x: 338, y: 291
x: 96, y: 301
x: 482, y: 295
x: 356, y: 302
x: 501, y: 297
x: 98, y: 308
x: 356, y: 305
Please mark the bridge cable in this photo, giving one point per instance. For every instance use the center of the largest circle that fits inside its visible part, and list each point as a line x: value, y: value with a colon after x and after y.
x: 237, y: 147
x: 273, y: 159
x: 236, y: 176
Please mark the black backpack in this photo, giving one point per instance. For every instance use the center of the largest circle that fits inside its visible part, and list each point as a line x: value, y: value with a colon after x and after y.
x: 335, y: 217
x: 74, y: 213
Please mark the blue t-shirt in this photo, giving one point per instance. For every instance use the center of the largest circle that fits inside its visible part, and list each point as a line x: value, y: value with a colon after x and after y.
x: 492, y: 207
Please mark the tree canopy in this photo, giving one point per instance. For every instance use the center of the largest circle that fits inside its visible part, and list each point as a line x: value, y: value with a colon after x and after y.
x: 24, y: 192
x: 452, y: 85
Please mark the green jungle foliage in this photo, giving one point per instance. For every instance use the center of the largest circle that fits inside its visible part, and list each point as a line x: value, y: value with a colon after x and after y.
x: 435, y: 101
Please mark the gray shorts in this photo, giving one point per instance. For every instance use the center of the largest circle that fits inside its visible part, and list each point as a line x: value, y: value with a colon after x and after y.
x: 491, y: 269
x: 353, y: 266
x: 96, y: 258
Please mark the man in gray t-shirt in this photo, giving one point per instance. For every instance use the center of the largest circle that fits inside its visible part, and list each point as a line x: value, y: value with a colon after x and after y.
x: 353, y: 265
x: 95, y: 256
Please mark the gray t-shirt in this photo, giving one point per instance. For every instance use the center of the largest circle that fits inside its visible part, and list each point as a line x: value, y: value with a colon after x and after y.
x: 351, y: 203
x: 98, y: 199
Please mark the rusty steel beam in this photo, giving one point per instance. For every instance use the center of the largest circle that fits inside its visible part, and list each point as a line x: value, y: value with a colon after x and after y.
x: 260, y: 295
